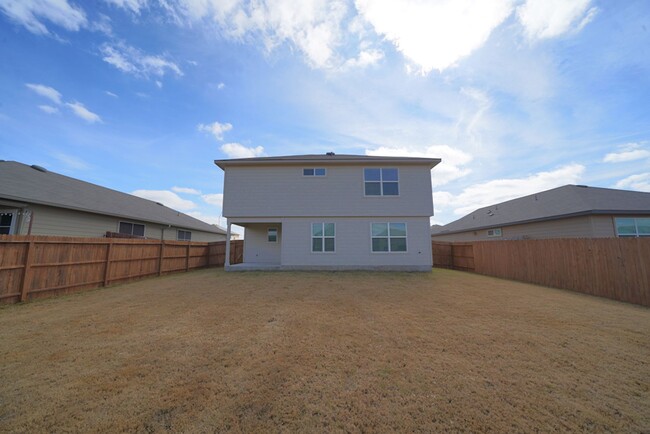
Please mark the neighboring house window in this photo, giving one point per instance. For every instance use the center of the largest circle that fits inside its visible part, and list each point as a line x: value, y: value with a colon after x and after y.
x: 322, y: 237
x: 494, y: 232
x: 314, y: 172
x: 632, y: 227
x: 184, y: 235
x: 132, y: 229
x: 272, y: 235
x: 7, y: 221
x: 381, y: 182
x: 388, y: 237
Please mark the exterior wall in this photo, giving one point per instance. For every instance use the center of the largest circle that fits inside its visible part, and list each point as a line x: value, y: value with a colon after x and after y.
x: 257, y: 248
x: 353, y: 244
x: 282, y: 191
x: 63, y: 222
x: 572, y: 227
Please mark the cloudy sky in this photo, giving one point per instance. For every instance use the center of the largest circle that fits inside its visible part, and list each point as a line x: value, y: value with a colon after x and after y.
x: 515, y: 96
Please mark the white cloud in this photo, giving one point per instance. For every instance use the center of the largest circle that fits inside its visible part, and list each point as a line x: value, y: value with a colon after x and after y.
x: 365, y: 58
x: 110, y: 94
x: 185, y: 190
x: 81, y: 111
x: 133, y: 61
x: 32, y: 14
x: 221, y: 86
x: 435, y: 35
x: 134, y: 6
x: 551, y: 18
x: 500, y: 190
x: 213, y: 199
x: 167, y: 198
x: 45, y: 91
x: 448, y: 169
x: 48, y: 109
x: 627, y: 152
x: 72, y: 161
x: 217, y: 129
x: 237, y: 150
x: 640, y: 182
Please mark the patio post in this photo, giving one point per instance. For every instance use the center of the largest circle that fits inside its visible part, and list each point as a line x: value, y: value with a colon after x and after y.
x: 226, y: 262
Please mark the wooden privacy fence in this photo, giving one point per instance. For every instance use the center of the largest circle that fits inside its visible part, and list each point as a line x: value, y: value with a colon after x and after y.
x: 616, y: 268
x: 36, y: 266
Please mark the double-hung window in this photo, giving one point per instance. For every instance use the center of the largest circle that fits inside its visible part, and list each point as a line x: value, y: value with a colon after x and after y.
x: 272, y: 235
x: 184, y: 235
x: 7, y: 221
x: 381, y: 181
x: 632, y: 227
x: 322, y: 237
x: 131, y: 229
x: 388, y: 237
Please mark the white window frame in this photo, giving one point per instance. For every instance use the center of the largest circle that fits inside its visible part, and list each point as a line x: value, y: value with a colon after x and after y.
x: 178, y: 235
x: 268, y: 234
x: 322, y: 237
x: 381, y: 182
x: 314, y: 169
x: 494, y: 233
x: 14, y: 219
x: 144, y: 228
x: 636, y: 228
x: 388, y: 237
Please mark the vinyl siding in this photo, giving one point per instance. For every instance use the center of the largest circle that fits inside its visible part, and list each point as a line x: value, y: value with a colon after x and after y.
x: 63, y: 222
x: 353, y: 243
x: 572, y: 227
x: 257, y: 249
x: 282, y: 191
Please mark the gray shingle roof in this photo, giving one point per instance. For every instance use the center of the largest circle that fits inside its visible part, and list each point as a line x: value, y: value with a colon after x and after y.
x: 22, y: 183
x: 325, y: 158
x: 566, y: 201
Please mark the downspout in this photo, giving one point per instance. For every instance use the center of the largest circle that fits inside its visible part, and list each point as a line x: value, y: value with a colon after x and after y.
x: 31, y: 220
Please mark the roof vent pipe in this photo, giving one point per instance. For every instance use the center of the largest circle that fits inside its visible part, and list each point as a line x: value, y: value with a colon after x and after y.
x: 39, y: 168
x: 331, y: 154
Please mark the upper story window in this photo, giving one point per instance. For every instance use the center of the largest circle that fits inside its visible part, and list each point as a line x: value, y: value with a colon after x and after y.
x: 131, y: 229
x: 381, y: 182
x: 184, y: 235
x: 632, y: 227
x: 316, y: 171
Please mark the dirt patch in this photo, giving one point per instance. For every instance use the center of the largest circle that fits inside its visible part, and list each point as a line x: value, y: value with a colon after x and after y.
x: 351, y: 351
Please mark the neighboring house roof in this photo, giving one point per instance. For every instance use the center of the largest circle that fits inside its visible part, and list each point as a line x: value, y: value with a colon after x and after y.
x: 566, y: 201
x: 33, y: 184
x: 330, y: 157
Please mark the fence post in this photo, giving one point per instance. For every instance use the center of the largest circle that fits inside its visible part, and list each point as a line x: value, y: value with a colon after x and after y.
x: 187, y: 258
x: 27, y: 274
x: 107, y: 268
x: 160, y: 258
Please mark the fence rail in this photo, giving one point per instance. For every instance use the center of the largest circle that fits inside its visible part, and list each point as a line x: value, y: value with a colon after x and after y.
x: 37, y: 266
x: 616, y: 268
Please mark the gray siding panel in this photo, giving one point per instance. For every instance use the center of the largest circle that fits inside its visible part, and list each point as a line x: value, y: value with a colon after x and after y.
x: 573, y: 227
x: 257, y: 248
x: 282, y: 191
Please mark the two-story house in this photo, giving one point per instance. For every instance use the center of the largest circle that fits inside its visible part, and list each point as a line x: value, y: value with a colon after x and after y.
x: 330, y: 211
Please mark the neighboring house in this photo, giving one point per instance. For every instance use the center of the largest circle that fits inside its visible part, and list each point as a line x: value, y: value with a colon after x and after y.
x: 331, y: 211
x: 571, y: 211
x: 36, y: 201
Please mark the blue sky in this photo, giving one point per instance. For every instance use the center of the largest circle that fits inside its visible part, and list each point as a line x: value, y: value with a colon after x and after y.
x: 515, y: 96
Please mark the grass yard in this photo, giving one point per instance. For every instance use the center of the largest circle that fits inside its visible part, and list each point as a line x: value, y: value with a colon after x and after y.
x: 351, y: 351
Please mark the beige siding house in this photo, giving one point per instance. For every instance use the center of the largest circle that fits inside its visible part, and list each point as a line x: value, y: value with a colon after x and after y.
x: 571, y: 211
x: 36, y: 201
x: 331, y: 211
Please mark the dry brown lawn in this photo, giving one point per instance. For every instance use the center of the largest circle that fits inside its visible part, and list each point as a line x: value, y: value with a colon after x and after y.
x: 210, y: 351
